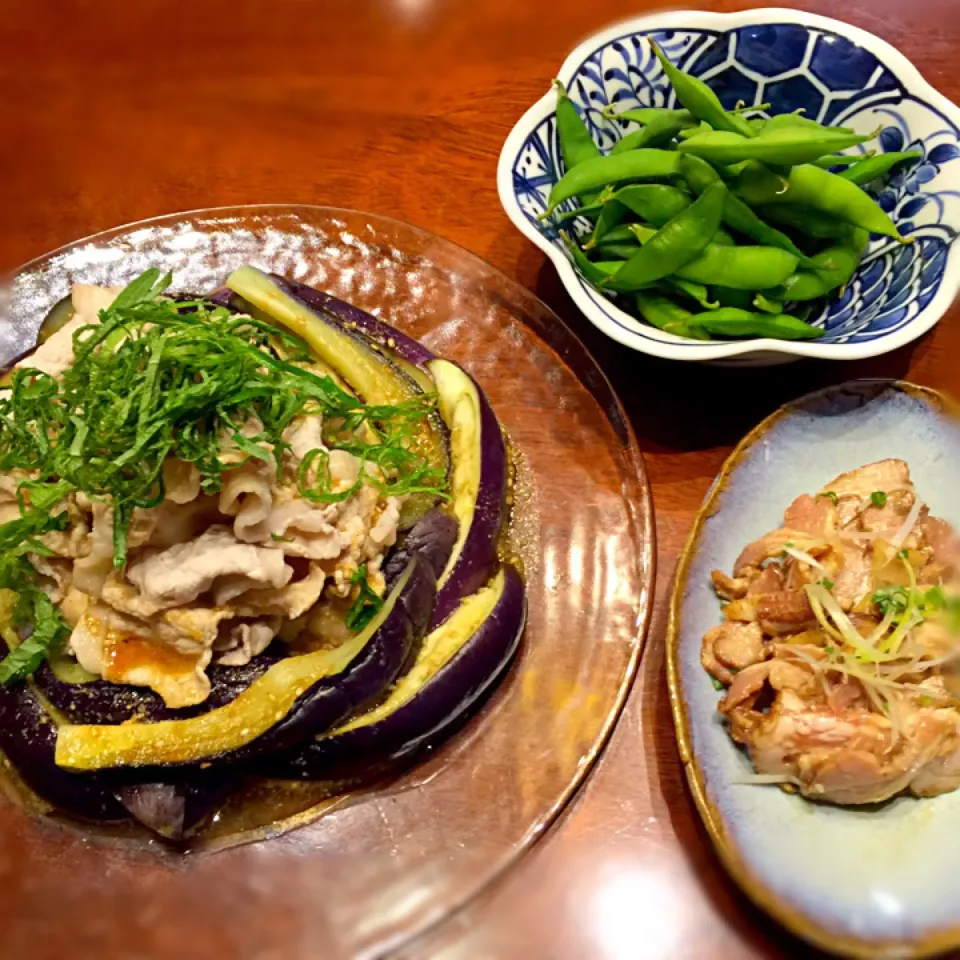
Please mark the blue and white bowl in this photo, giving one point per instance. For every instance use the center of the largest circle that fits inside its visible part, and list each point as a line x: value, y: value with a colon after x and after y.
x: 840, y: 75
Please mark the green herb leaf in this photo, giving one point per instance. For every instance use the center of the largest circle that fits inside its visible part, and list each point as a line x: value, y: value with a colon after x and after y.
x: 158, y: 378
x: 49, y: 631
x: 829, y: 651
x: 367, y: 604
x: 878, y: 498
x: 717, y: 685
x: 826, y: 583
x: 831, y: 496
x: 892, y: 599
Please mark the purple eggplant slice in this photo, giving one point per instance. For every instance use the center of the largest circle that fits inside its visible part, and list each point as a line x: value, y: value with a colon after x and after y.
x: 458, y: 661
x: 478, y: 455
x: 295, y: 698
x: 478, y: 485
x: 369, y: 373
x: 176, y: 810
x: 102, y: 702
x: 411, y: 356
x: 28, y: 737
x: 432, y: 538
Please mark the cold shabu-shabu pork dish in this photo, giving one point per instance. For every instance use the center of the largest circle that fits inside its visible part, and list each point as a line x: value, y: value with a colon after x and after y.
x: 838, y: 655
x: 254, y: 534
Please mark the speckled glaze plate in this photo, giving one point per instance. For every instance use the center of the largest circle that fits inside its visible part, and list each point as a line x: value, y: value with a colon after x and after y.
x: 877, y: 882
x: 359, y: 875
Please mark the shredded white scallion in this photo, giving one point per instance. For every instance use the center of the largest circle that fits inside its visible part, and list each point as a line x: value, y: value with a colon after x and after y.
x: 900, y: 537
x: 804, y: 557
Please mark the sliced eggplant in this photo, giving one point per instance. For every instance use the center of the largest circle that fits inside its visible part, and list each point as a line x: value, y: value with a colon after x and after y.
x: 478, y: 485
x: 458, y: 661
x: 478, y: 456
x: 412, y: 357
x: 432, y: 538
x: 295, y: 698
x: 28, y: 737
x: 177, y: 810
x: 102, y: 702
x: 369, y: 373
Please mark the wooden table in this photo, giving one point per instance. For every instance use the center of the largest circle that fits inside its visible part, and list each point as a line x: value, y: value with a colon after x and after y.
x: 115, y: 110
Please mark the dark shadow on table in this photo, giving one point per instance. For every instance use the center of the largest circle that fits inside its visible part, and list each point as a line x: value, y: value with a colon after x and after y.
x: 691, y: 406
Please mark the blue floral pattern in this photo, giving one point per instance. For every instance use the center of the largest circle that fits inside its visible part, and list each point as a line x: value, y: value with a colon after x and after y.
x: 790, y: 67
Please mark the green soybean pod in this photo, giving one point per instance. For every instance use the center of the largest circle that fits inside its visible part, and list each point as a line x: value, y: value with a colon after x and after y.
x: 819, y: 189
x: 594, y: 272
x: 813, y: 223
x: 728, y: 297
x: 699, y: 99
x: 741, y: 268
x: 731, y: 322
x: 702, y: 127
x: 613, y: 168
x: 841, y: 159
x: 872, y: 168
x: 698, y: 292
x: 661, y: 312
x: 657, y: 133
x: 786, y: 121
x: 620, y: 234
x: 656, y: 203
x: 647, y: 115
x: 786, y: 146
x: 611, y: 216
x: 576, y: 143
x: 736, y: 214
x: 836, y: 267
x: 673, y: 245
x: 615, y: 251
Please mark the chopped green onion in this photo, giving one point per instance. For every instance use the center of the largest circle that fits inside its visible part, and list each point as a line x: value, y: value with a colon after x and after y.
x: 878, y: 498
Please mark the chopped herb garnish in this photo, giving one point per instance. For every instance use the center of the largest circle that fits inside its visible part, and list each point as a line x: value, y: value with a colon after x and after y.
x: 157, y: 379
x: 367, y: 604
x: 903, y: 554
x: 717, y: 685
x: 279, y: 539
x: 831, y: 496
x: 892, y: 599
x: 829, y: 651
x: 826, y: 583
x: 878, y: 498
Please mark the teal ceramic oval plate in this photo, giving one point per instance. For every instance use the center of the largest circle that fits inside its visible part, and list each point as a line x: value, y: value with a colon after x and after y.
x: 876, y: 882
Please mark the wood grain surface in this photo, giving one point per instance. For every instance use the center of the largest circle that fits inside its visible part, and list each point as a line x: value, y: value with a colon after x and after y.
x: 112, y: 111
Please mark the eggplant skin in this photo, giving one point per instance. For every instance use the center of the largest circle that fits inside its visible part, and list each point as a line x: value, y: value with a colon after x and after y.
x: 176, y: 810
x: 102, y: 702
x: 367, y: 677
x: 432, y: 538
x: 28, y: 737
x: 479, y: 554
x: 433, y: 711
x: 345, y: 314
x: 251, y: 726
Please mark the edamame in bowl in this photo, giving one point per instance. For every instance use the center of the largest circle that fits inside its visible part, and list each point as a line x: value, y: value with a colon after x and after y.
x: 746, y: 188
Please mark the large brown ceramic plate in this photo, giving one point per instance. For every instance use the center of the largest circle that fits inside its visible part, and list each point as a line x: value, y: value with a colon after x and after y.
x: 360, y: 874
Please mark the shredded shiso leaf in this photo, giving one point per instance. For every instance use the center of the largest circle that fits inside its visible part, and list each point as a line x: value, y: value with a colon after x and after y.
x: 159, y: 378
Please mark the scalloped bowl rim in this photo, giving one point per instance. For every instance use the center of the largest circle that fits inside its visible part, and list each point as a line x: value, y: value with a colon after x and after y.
x: 668, y: 346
